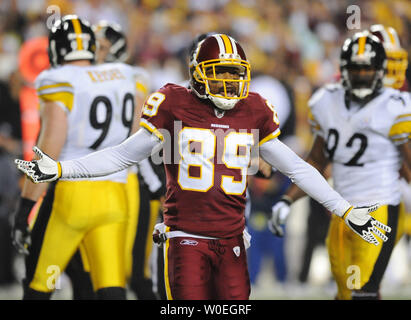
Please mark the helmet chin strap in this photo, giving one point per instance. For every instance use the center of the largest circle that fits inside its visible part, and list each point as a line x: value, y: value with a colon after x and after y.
x: 219, y: 103
x: 223, y: 104
x: 362, y: 93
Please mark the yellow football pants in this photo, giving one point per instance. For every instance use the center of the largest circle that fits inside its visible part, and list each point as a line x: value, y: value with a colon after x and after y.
x: 90, y: 213
x: 355, y: 263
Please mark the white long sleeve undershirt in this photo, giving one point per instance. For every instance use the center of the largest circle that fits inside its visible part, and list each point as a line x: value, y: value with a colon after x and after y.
x: 137, y: 147
x: 142, y: 144
x: 305, y: 176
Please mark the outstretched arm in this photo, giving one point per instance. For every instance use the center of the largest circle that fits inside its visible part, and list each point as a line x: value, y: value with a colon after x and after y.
x: 315, y: 158
x: 101, y: 163
x: 313, y: 183
x: 305, y: 176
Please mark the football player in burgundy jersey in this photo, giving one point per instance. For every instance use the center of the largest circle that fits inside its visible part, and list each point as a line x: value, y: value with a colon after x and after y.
x: 207, y: 134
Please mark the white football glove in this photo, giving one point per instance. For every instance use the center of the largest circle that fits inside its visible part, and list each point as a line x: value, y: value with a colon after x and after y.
x: 359, y: 220
x: 279, y: 215
x: 43, y: 170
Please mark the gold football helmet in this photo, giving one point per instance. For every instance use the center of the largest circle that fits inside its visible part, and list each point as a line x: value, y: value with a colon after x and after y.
x: 397, y: 57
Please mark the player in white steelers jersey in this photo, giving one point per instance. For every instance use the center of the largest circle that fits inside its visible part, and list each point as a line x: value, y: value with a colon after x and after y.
x: 363, y: 129
x: 84, y: 108
x: 99, y: 103
x: 112, y: 48
x: 368, y: 136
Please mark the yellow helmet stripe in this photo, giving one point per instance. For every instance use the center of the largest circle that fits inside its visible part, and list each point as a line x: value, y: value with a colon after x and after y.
x: 227, y: 44
x: 361, y: 45
x: 77, y: 30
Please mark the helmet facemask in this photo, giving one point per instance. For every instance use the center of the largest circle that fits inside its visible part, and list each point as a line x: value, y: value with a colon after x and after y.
x: 362, y: 81
x: 226, y: 81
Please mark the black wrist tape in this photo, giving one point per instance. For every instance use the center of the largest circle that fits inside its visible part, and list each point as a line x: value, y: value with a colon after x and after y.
x: 24, y: 208
x: 287, y: 200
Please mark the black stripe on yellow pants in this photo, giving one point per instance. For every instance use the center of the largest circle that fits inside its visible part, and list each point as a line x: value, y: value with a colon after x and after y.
x: 37, y: 234
x: 141, y: 282
x: 133, y: 203
x: 380, y: 265
x: 81, y: 284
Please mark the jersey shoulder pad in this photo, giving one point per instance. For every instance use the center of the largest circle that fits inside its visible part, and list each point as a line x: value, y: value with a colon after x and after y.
x: 167, y: 94
x: 324, y: 93
x: 406, y: 96
x: 319, y: 100
x: 142, y: 79
x: 394, y: 101
x: 265, y: 115
x: 395, y: 108
x: 130, y: 70
x: 331, y: 87
x: 54, y: 85
x: 255, y: 97
x: 123, y: 67
x: 158, y: 111
x: 397, y: 96
x: 260, y: 105
x: 140, y: 72
x: 172, y: 90
x: 53, y: 78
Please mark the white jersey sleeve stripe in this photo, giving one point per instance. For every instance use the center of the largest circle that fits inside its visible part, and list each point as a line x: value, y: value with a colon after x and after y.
x: 151, y: 128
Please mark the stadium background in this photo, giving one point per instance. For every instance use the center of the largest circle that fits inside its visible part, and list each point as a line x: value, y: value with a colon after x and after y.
x: 298, y: 42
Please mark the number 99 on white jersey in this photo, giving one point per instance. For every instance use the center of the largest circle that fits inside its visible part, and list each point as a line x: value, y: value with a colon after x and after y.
x: 99, y: 103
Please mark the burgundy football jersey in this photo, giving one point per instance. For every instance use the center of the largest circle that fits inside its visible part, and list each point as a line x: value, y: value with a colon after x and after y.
x: 206, y: 156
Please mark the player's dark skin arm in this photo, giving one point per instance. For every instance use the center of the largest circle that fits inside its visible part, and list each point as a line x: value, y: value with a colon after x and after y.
x: 405, y: 170
x: 318, y: 160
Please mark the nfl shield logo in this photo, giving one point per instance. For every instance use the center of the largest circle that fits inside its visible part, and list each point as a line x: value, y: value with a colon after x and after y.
x: 237, y: 251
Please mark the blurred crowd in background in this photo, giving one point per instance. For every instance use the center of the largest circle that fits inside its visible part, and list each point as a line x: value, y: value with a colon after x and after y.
x: 297, y: 42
